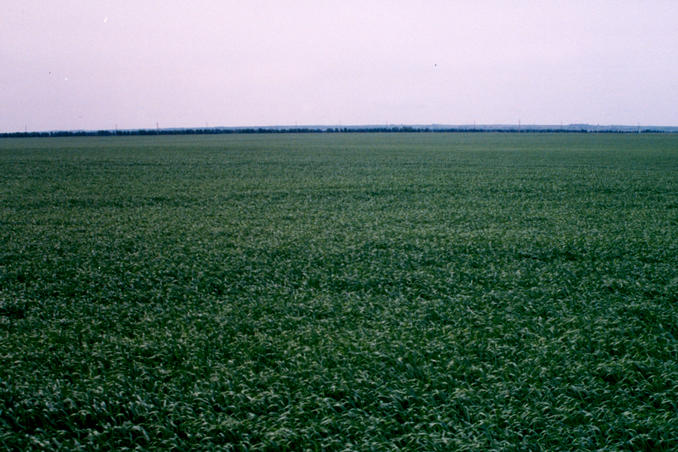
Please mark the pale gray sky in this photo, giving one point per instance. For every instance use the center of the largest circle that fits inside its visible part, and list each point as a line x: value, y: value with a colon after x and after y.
x: 89, y: 64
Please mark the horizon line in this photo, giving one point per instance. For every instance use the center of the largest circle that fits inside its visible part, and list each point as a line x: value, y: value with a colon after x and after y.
x: 326, y: 127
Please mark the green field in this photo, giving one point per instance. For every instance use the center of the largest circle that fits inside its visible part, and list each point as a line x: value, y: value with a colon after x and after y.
x: 339, y: 291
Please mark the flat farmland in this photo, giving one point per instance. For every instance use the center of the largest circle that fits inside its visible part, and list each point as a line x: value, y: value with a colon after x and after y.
x: 339, y: 291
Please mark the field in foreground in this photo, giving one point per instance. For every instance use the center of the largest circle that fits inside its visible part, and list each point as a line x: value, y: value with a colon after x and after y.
x: 368, y: 292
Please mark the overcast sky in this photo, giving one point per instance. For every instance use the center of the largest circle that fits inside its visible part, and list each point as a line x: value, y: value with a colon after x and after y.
x: 89, y: 64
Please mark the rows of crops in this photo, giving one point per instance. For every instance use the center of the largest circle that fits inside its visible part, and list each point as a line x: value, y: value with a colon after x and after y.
x: 342, y: 291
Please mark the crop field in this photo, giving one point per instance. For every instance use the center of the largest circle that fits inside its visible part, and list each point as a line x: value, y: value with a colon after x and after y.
x: 339, y: 292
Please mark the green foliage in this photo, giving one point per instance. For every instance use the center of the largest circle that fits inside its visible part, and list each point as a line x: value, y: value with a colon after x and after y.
x: 368, y: 292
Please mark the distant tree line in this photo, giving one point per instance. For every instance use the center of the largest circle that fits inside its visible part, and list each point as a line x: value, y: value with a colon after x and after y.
x: 347, y: 129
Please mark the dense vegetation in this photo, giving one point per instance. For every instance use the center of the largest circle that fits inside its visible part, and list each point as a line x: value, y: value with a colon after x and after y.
x: 341, y: 291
